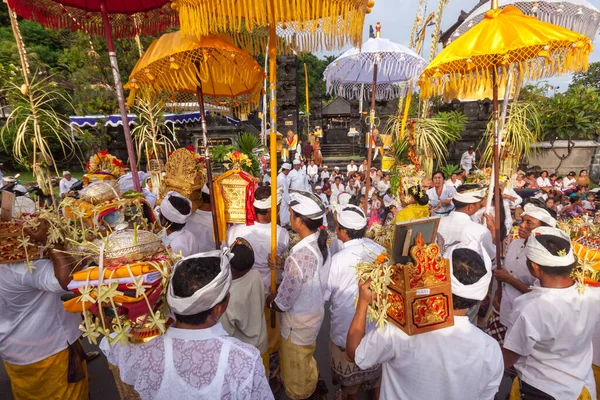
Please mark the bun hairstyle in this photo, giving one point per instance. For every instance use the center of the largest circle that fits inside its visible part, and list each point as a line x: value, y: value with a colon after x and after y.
x: 420, y: 196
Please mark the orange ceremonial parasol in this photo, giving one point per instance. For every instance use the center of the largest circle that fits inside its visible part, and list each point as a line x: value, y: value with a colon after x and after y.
x: 506, y: 42
x: 210, y: 66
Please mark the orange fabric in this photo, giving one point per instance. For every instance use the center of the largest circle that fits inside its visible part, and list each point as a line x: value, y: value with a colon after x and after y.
x: 137, y: 269
x: 46, y: 379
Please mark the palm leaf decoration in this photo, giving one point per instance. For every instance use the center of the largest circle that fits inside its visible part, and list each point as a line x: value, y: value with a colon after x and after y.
x: 151, y: 135
x: 521, y: 130
x: 250, y: 145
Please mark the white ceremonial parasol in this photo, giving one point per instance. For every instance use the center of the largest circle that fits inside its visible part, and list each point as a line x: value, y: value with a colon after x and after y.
x: 385, y: 66
x: 577, y: 15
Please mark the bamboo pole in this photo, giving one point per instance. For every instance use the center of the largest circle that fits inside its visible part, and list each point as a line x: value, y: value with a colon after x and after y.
x: 273, y: 149
x: 307, y: 102
x: 496, y: 177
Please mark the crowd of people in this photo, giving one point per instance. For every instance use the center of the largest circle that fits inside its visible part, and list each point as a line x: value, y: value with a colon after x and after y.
x: 535, y: 327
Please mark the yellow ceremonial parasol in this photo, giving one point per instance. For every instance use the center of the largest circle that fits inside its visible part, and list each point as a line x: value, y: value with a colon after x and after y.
x: 210, y: 66
x: 506, y: 42
x: 308, y: 25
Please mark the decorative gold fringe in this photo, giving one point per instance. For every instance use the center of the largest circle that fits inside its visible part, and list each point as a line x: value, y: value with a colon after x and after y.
x: 470, y: 75
x: 312, y: 25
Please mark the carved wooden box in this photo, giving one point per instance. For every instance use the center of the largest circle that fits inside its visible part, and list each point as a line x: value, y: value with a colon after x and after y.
x: 421, y: 296
x: 184, y: 175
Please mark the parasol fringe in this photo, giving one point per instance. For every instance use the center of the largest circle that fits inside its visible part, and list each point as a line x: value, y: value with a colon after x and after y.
x: 321, y: 24
x: 563, y: 58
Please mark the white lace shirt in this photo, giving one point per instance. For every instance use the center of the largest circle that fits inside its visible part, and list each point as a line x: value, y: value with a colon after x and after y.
x: 191, y: 364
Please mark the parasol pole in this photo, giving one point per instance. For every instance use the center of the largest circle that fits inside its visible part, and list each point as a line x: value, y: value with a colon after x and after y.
x: 213, y: 209
x: 307, y: 102
x: 120, y: 96
x: 273, y: 148
x: 496, y: 169
x: 371, y: 126
x: 263, y: 121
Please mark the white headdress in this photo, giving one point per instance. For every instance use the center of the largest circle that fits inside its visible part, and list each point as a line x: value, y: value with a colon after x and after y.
x: 537, y: 253
x: 296, y: 161
x: 351, y: 217
x: 171, y: 213
x: 539, y: 214
x: 286, y: 166
x: 344, y: 198
x: 479, y: 289
x: 205, y: 189
x: 306, y: 204
x: 265, y: 204
x: 471, y: 196
x: 208, y: 296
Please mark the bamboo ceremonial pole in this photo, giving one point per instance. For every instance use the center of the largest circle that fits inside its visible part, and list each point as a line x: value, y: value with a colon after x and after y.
x: 496, y: 170
x: 273, y: 149
x: 371, y: 127
x: 110, y: 44
x: 307, y: 102
x: 209, y: 179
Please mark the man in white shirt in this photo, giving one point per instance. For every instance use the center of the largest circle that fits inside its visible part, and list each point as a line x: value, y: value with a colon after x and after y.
x: 383, y: 185
x: 324, y: 173
x: 175, y: 211
x: 65, y: 184
x: 549, y: 341
x: 200, y: 224
x: 467, y: 161
x: 283, y: 186
x: 336, y: 188
x: 509, y: 195
x: 351, y: 187
x: 466, y: 363
x: 351, y: 168
x: 38, y: 338
x: 515, y: 276
x: 458, y: 227
x: 325, y: 200
x: 454, y: 181
x: 313, y: 172
x: 340, y: 291
x: 195, y: 358
x: 297, y: 177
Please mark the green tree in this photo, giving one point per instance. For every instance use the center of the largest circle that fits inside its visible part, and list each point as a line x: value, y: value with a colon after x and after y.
x: 315, y: 67
x: 590, y: 78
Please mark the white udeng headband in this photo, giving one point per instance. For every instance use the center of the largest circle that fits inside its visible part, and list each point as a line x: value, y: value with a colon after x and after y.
x: 265, y: 204
x: 539, y: 214
x: 208, y: 296
x: 538, y: 254
x: 306, y: 204
x: 479, y: 289
x: 170, y: 212
x: 471, y: 197
x: 350, y: 216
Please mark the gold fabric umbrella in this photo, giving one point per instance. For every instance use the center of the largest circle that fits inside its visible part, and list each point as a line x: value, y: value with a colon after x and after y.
x: 506, y: 42
x: 211, y: 67
x: 308, y: 25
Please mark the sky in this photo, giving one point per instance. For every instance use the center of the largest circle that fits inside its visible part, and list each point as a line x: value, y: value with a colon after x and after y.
x: 397, y: 18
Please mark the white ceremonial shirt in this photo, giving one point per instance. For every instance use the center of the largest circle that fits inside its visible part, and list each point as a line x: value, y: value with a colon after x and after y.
x: 298, y: 179
x: 312, y: 171
x: 458, y: 227
x: 65, y: 185
x: 259, y: 237
x: 190, y: 364
x: 543, y: 182
x: 335, y: 246
x: 515, y: 262
x: 200, y: 224
x: 351, y: 168
x: 325, y: 201
x: 453, y: 184
x: 351, y: 189
x: 569, y: 183
x: 182, y: 241
x: 460, y: 362
x: 284, y: 210
x: 301, y: 293
x: 448, y: 192
x: 552, y: 330
x: 512, y: 203
x: 383, y: 187
x: 467, y: 160
x: 33, y: 322
x: 342, y: 285
x: 596, y: 346
x: 335, y: 192
x: 244, y: 318
x: 150, y: 197
x: 324, y: 174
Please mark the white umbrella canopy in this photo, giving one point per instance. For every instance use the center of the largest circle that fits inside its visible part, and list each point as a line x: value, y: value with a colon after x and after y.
x: 396, y: 64
x: 577, y: 15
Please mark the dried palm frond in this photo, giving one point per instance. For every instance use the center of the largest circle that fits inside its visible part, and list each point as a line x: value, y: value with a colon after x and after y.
x: 521, y: 130
x: 151, y: 133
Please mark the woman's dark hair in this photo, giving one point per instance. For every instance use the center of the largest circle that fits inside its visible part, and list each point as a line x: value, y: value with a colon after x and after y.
x: 205, y: 198
x: 260, y: 194
x: 354, y: 200
x: 191, y: 275
x: 243, y: 255
x: 468, y: 268
x: 583, y: 170
x: 438, y: 172
x: 421, y: 198
x: 554, y: 245
x: 313, y: 225
x: 542, y: 172
x: 554, y: 175
x: 180, y: 205
x: 574, y: 199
